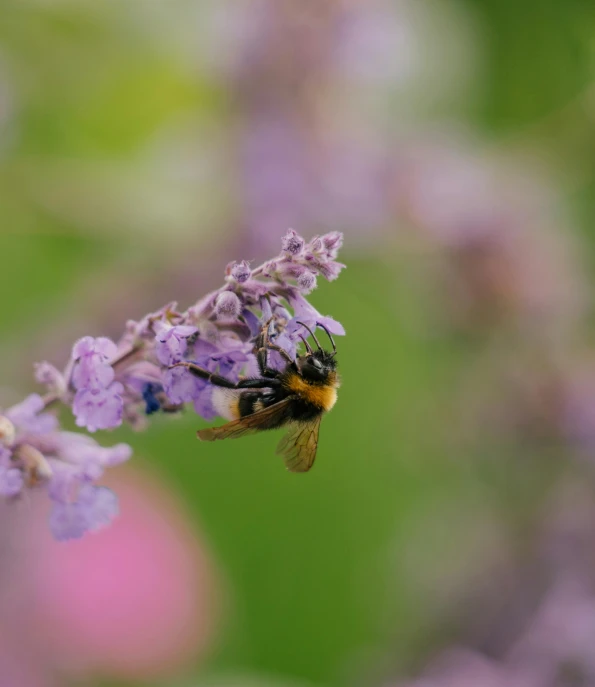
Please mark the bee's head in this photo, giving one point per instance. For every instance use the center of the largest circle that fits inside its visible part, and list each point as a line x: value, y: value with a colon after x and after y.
x: 317, y: 366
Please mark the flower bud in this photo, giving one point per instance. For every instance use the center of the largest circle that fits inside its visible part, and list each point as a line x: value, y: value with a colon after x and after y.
x: 240, y: 271
x: 292, y: 243
x: 227, y: 305
x: 36, y: 464
x: 47, y: 375
x: 306, y: 281
x: 7, y: 431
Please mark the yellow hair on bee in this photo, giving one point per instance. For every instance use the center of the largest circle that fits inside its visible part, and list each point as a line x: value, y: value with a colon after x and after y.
x: 323, y: 396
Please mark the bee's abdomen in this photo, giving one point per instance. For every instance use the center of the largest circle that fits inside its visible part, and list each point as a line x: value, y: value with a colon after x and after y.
x: 251, y: 402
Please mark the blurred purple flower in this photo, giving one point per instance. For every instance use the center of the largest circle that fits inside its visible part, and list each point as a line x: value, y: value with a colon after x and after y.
x: 37, y: 455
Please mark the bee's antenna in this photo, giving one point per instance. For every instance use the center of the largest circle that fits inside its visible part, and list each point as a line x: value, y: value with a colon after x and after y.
x: 308, y: 347
x: 329, y: 336
x: 312, y: 334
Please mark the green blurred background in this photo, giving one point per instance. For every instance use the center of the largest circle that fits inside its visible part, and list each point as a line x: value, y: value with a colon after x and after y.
x: 116, y: 125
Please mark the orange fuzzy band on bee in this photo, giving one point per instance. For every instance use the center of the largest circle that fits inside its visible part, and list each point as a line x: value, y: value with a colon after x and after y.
x: 322, y: 396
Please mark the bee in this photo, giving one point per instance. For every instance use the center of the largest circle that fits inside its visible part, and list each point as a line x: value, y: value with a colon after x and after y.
x: 295, y: 397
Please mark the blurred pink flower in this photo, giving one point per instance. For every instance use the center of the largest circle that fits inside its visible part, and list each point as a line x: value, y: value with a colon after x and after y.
x: 134, y: 600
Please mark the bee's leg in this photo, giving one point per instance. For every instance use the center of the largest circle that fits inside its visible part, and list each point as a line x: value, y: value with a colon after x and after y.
x: 218, y: 380
x: 267, y: 345
x: 262, y: 346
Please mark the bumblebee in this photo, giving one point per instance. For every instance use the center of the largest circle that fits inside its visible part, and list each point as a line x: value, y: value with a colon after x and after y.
x: 296, y: 397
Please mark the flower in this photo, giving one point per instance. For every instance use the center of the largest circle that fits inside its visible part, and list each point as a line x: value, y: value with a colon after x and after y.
x: 107, y: 382
x: 171, y: 345
x: 99, y: 408
x: 92, y: 369
x: 65, y: 464
x: 11, y: 478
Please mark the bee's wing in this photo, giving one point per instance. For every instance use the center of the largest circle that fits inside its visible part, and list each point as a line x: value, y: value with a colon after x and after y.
x: 267, y: 418
x: 299, y: 445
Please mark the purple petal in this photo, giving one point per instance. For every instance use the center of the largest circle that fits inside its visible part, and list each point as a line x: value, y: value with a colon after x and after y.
x: 265, y: 306
x: 84, y: 346
x: 204, y: 348
x: 181, y: 386
x: 203, y: 405
x: 88, y: 456
x: 105, y: 348
x: 252, y: 321
x: 5, y: 456
x: 333, y: 326
x: 25, y: 409
x: 308, y: 314
x: 11, y: 481
x: 332, y: 242
x: 92, y: 372
x: 64, y: 482
x: 99, y: 504
x: 171, y: 346
x: 288, y: 345
x: 116, y: 455
x: 331, y: 270
x: 99, y: 408
x: 24, y: 416
x: 68, y: 521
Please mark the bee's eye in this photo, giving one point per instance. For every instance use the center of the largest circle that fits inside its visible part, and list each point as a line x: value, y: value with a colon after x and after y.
x: 315, y: 363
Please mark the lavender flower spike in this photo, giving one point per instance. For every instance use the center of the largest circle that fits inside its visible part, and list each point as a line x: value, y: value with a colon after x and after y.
x: 106, y: 382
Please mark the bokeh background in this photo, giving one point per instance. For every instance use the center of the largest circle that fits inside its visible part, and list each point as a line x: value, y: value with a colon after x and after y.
x: 447, y: 531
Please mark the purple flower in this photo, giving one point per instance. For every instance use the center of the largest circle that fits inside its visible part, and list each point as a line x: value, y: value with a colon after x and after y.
x: 26, y: 416
x: 66, y: 464
x: 68, y: 521
x: 95, y: 508
x: 99, y: 408
x: 171, y: 344
x: 107, y: 382
x: 100, y: 505
x: 11, y: 478
x: 181, y: 386
x: 92, y: 369
x: 309, y: 315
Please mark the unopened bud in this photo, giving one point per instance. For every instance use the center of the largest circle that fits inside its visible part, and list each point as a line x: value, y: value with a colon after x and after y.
x: 292, y: 242
x: 36, y: 465
x: 227, y: 305
x: 7, y: 431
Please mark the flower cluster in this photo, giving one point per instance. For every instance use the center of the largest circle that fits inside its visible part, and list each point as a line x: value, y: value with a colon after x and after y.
x: 34, y: 452
x: 106, y: 383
